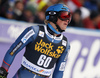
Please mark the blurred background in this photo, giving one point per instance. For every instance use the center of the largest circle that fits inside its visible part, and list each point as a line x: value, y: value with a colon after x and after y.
x: 86, y: 13
x: 83, y: 32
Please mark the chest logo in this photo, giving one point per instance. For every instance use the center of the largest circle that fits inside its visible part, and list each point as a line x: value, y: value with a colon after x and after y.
x: 41, y: 33
x: 49, y: 49
x: 60, y: 49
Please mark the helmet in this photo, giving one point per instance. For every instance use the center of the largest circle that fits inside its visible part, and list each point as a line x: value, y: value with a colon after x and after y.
x: 60, y: 11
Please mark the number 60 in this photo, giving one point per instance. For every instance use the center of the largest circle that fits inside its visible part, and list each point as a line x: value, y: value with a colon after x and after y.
x: 44, y: 61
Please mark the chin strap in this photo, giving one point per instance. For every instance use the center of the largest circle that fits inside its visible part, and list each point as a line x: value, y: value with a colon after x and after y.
x: 59, y: 29
x: 54, y: 30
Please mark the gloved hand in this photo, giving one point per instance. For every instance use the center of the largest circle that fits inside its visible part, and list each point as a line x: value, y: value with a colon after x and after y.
x: 3, y: 73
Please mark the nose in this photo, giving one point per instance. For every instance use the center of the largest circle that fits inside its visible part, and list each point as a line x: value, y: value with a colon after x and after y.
x: 67, y: 20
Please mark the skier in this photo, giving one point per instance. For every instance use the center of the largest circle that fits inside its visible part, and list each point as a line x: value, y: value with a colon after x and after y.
x: 46, y: 47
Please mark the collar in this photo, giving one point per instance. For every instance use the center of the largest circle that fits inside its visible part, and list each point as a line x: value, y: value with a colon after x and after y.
x: 50, y: 26
x: 59, y: 37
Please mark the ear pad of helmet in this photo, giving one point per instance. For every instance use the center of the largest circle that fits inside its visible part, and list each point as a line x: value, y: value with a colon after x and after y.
x: 53, y: 18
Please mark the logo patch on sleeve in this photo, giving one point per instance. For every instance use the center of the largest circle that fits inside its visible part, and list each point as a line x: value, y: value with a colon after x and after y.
x: 16, y: 48
x: 62, y: 66
x: 27, y: 35
x: 64, y: 43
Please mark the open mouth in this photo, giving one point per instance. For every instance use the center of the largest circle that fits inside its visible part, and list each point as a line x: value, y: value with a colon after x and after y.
x: 65, y: 24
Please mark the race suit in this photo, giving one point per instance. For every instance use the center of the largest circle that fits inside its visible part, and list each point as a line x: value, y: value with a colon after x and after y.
x: 43, y: 52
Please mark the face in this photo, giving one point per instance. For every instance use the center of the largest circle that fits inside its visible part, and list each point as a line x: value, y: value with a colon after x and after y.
x: 76, y: 17
x: 20, y: 6
x: 62, y: 24
x: 96, y: 19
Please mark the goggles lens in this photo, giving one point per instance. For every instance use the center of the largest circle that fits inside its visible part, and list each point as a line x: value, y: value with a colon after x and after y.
x: 64, y: 15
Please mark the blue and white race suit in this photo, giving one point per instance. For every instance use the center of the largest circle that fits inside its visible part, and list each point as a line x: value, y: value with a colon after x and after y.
x: 43, y: 52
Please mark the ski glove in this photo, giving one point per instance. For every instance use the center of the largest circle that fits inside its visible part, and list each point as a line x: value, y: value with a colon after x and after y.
x: 3, y: 73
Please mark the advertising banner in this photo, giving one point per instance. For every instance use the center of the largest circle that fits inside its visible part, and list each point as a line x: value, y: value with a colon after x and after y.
x: 84, y: 55
x: 10, y: 30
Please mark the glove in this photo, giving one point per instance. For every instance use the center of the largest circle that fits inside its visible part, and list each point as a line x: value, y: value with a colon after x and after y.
x: 3, y: 73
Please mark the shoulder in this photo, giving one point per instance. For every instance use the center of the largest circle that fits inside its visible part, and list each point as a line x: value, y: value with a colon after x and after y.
x: 67, y: 42
x: 35, y: 27
x: 64, y: 36
x: 34, y: 30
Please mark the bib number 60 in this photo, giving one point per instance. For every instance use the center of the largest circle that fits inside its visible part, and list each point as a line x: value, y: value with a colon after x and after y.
x: 44, y: 61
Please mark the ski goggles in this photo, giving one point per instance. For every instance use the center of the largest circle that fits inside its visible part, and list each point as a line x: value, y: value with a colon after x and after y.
x: 64, y: 15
